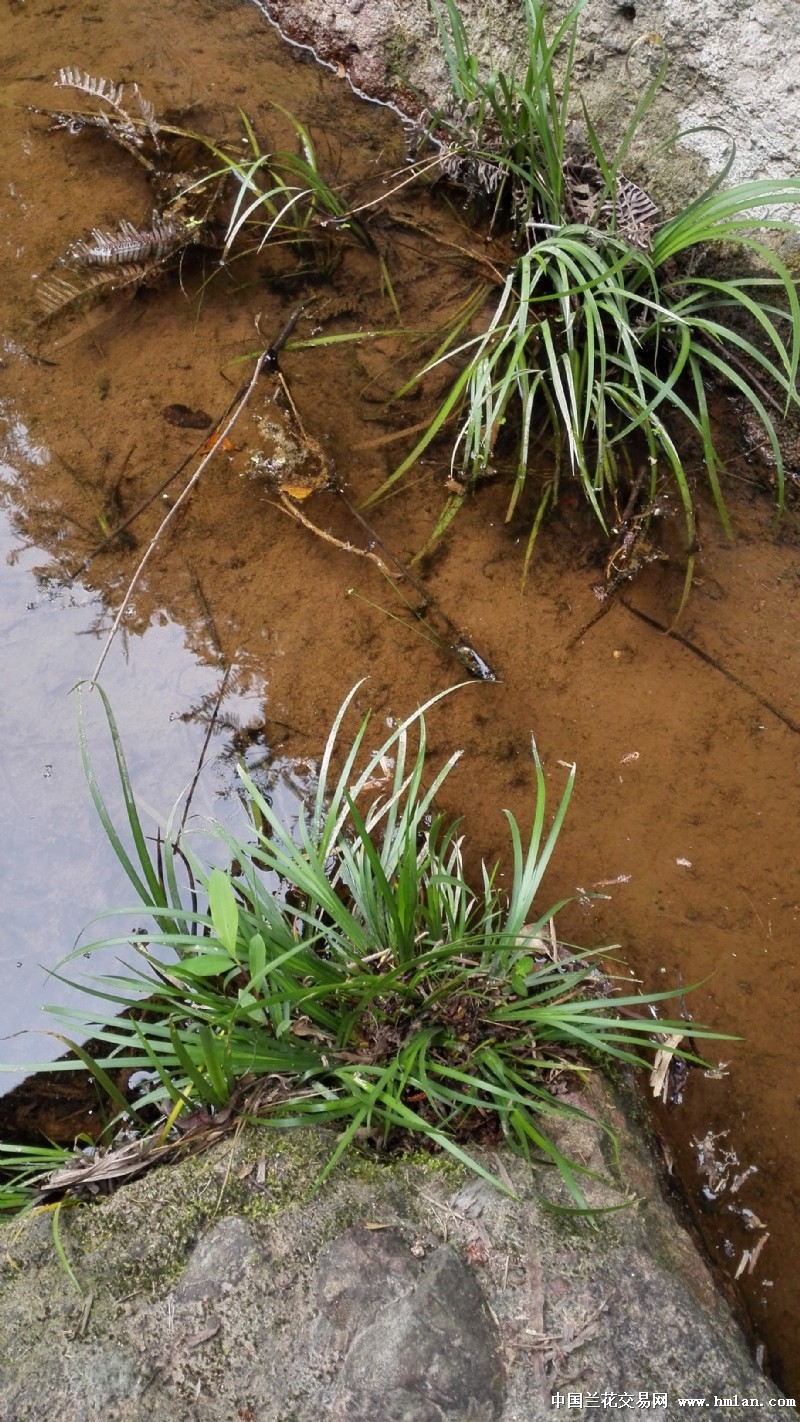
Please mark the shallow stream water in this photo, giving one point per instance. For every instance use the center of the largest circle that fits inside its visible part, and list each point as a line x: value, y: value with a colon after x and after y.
x: 681, y: 841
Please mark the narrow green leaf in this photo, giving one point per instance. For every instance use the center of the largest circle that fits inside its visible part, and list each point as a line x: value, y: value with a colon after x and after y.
x: 60, y: 1250
x: 203, y: 965
x: 224, y: 910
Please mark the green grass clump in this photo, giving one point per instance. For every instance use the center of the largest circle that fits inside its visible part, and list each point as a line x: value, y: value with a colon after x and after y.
x: 278, y: 197
x: 347, y: 974
x: 22, y: 1167
x: 615, y: 325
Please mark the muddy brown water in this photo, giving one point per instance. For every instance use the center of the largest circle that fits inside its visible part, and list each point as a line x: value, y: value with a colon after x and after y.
x: 681, y: 843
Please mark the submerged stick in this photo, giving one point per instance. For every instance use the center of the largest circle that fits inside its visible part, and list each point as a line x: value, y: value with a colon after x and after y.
x: 449, y: 635
x: 145, y: 504
x: 294, y: 512
x: 270, y: 361
x: 417, y: 171
x: 712, y: 662
x: 223, y: 434
x: 223, y: 686
x: 454, y: 638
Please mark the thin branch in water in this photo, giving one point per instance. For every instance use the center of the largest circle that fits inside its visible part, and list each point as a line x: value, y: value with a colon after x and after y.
x: 294, y: 512
x: 212, y: 720
x: 411, y: 177
x: 452, y: 640
x: 201, y: 445
x: 712, y: 662
x: 766, y: 395
x: 477, y: 257
x: 207, y: 613
x: 223, y: 434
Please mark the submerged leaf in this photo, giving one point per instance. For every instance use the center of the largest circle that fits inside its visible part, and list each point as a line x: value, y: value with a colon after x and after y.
x: 55, y: 295
x: 130, y: 244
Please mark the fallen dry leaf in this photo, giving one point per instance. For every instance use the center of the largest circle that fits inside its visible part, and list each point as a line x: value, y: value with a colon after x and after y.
x: 662, y: 1063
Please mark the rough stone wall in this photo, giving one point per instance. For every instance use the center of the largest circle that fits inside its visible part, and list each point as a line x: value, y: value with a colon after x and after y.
x: 737, y: 65
x: 733, y: 65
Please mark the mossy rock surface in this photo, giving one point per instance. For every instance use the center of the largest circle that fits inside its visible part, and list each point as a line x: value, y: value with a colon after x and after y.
x: 229, y: 1286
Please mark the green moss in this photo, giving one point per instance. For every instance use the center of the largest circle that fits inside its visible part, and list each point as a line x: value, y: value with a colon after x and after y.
x: 437, y: 1165
x: 399, y: 56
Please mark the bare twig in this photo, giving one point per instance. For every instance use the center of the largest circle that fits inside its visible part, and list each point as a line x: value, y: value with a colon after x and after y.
x: 430, y: 611
x: 452, y: 639
x: 288, y: 507
x: 223, y: 434
x: 278, y: 344
x: 270, y: 361
x: 411, y: 176
x: 712, y: 662
x: 478, y: 257
x: 84, y: 1320
x: 223, y: 686
x: 145, y: 504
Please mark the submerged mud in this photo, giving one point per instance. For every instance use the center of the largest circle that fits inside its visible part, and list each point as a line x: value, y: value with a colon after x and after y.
x: 681, y: 839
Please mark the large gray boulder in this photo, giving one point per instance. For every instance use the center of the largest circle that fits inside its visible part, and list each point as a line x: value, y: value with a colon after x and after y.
x: 231, y: 1287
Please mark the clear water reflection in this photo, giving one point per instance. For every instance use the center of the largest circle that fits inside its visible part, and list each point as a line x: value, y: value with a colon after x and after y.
x: 56, y: 871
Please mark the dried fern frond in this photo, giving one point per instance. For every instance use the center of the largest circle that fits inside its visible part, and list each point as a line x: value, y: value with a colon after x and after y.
x: 631, y: 211
x: 57, y: 294
x: 147, y: 112
x: 126, y: 125
x: 636, y: 213
x: 70, y: 77
x: 131, y: 244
